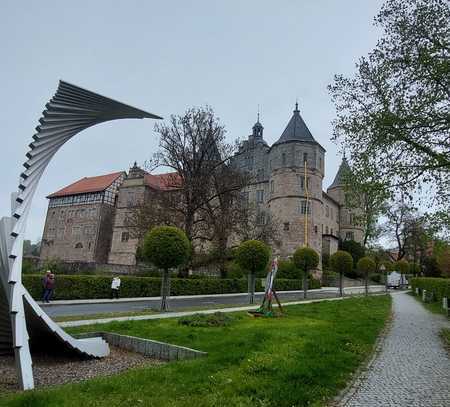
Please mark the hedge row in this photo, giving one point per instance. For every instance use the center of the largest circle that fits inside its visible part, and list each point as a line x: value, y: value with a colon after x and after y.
x: 69, y: 287
x: 440, y: 287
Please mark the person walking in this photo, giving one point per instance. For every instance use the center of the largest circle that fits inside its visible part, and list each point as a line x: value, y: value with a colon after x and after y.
x: 115, y: 287
x: 49, y: 287
x: 44, y: 284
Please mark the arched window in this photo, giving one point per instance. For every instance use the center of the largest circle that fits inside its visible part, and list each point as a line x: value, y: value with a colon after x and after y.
x: 79, y: 245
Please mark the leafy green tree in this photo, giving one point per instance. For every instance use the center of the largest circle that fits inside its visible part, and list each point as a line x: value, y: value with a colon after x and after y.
x: 402, y: 266
x: 342, y: 263
x: 414, y: 269
x: 253, y: 256
x: 355, y: 249
x: 365, y: 267
x: 306, y: 259
x: 392, y: 114
x: 431, y: 267
x: 166, y: 247
x: 443, y: 261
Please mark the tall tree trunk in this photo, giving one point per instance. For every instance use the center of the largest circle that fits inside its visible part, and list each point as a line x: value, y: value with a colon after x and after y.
x: 251, y: 288
x: 341, y: 283
x: 165, y: 291
x: 305, y: 284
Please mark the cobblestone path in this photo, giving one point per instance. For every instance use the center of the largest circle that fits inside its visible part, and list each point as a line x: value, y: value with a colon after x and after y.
x: 411, y: 368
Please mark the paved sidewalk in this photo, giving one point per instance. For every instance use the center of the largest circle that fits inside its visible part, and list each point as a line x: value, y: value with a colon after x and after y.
x: 347, y: 290
x: 411, y: 368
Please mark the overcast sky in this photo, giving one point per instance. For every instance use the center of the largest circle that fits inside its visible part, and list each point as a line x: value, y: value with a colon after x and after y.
x: 163, y: 57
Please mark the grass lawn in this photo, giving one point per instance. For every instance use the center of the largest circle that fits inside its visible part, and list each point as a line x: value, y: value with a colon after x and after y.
x: 445, y: 334
x: 303, y: 358
x: 434, y: 307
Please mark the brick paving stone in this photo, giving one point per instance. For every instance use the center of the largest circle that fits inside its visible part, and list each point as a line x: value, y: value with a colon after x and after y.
x: 411, y: 367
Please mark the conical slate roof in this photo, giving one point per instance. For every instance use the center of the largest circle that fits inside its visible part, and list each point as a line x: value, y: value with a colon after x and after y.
x: 339, y: 179
x: 296, y: 130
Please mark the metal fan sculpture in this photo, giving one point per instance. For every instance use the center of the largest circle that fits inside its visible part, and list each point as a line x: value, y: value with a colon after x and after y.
x: 22, y: 321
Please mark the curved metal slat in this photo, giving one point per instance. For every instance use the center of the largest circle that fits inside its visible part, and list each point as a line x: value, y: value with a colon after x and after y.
x: 71, y: 110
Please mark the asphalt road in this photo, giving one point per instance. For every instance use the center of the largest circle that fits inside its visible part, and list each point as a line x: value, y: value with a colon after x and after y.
x: 177, y: 304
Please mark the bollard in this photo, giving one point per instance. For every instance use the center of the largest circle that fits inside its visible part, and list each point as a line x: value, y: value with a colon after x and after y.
x: 445, y: 305
x: 417, y: 291
x: 424, y: 295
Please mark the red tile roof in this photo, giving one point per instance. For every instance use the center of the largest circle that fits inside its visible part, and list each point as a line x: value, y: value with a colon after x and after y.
x: 88, y: 184
x: 164, y: 182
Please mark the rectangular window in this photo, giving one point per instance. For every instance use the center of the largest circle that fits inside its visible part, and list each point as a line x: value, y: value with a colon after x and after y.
x: 326, y: 230
x: 272, y: 186
x: 261, y: 218
x: 315, y: 229
x: 349, y: 236
x: 76, y: 231
x: 305, y: 157
x: 331, y: 214
x: 260, y: 196
x: 302, y: 182
x: 331, y: 231
x: 286, y: 226
x: 305, y: 207
x: 327, y: 211
x: 125, y: 236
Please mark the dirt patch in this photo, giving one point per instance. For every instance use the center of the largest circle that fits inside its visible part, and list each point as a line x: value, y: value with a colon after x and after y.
x: 50, y: 370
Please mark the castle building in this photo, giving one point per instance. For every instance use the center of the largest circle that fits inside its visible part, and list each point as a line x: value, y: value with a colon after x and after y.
x: 287, y: 187
x: 87, y: 221
x: 79, y: 221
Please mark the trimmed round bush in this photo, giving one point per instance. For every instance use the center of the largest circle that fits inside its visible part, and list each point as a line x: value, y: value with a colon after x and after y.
x: 365, y: 266
x: 341, y: 262
x: 306, y: 258
x: 166, y: 247
x: 253, y: 256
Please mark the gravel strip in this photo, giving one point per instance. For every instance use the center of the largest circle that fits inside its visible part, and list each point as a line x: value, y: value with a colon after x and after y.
x: 49, y: 370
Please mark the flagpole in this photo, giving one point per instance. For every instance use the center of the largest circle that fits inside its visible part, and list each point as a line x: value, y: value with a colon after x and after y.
x: 307, y: 205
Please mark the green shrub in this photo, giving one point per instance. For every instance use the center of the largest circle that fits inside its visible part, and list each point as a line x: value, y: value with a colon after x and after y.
x: 253, y: 256
x: 166, y: 247
x: 72, y: 287
x: 341, y: 262
x: 287, y: 269
x: 437, y: 287
x: 355, y: 249
x: 402, y: 266
x: 234, y: 270
x: 207, y: 320
x: 306, y: 258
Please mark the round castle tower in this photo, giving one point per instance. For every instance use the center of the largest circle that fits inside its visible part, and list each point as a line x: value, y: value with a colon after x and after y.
x: 296, y: 171
x: 349, y: 229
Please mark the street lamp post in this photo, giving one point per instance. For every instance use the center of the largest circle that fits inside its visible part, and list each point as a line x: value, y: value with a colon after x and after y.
x: 383, y: 270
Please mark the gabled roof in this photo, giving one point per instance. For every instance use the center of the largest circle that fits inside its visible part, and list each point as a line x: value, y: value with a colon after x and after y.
x: 296, y: 130
x: 163, y: 182
x: 87, y: 185
x: 339, y: 179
